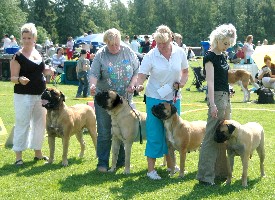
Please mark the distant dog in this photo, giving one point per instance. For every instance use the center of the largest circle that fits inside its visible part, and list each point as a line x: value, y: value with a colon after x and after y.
x: 125, y: 124
x: 181, y: 135
x: 63, y: 121
x: 241, y: 141
x: 243, y: 77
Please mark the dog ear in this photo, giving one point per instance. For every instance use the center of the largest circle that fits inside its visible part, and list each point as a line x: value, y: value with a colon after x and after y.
x: 173, y: 109
x: 231, y: 128
x: 62, y: 96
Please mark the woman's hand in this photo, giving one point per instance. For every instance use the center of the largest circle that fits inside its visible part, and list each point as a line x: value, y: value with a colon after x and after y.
x: 23, y: 80
x: 139, y: 88
x: 92, y: 89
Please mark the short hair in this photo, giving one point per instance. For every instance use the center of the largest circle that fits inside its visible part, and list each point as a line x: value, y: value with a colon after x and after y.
x: 135, y: 37
x: 110, y: 35
x: 249, y: 37
x: 127, y: 37
x: 29, y: 28
x: 177, y: 35
x: 266, y: 58
x: 58, y: 49
x: 222, y: 32
x: 163, y: 34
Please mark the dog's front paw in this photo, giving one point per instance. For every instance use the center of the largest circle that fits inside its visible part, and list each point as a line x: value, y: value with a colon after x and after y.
x: 50, y: 161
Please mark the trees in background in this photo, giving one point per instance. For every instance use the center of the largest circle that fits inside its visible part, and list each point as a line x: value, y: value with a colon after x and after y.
x: 193, y: 19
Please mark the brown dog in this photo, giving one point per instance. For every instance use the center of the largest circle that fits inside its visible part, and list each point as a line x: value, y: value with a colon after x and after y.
x: 241, y: 141
x: 63, y: 121
x: 181, y: 135
x: 126, y: 124
x: 243, y: 77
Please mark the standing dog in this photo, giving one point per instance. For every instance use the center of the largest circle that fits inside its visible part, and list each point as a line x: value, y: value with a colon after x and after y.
x: 63, y: 121
x: 126, y: 124
x: 243, y: 77
x: 181, y: 135
x: 241, y: 141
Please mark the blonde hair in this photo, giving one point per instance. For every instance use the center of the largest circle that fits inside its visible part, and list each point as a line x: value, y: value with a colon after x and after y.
x: 249, y: 37
x: 222, y: 32
x: 177, y: 36
x: 29, y: 28
x: 163, y: 34
x: 110, y: 35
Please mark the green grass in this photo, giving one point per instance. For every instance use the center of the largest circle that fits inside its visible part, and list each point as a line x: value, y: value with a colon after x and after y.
x: 81, y: 180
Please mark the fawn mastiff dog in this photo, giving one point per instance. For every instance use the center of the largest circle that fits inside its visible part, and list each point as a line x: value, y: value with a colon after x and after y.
x: 64, y: 121
x: 126, y: 124
x: 181, y: 135
x: 243, y: 77
x: 241, y: 140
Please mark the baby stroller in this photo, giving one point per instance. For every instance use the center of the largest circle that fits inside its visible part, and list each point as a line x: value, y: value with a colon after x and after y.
x: 198, y: 79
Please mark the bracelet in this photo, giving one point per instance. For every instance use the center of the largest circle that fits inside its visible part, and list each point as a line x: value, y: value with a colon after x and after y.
x: 19, y: 81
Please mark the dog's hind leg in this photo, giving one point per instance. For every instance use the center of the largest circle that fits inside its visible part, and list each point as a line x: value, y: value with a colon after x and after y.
x: 115, y: 151
x: 128, y: 148
x: 245, y: 159
x: 81, y: 141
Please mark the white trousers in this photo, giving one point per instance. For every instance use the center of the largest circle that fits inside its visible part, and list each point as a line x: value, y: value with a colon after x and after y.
x: 266, y: 82
x: 30, y: 122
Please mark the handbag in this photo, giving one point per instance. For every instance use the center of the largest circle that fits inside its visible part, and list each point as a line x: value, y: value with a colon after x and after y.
x: 266, y: 96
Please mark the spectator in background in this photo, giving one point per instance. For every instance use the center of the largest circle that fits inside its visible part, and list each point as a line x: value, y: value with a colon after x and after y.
x: 145, y: 45
x: 267, y: 73
x: 135, y: 44
x: 265, y: 42
x: 70, y: 48
x: 51, y: 51
x: 154, y: 43
x: 6, y: 42
x: 13, y: 41
x: 248, y: 49
x: 82, y: 68
x: 259, y: 43
x: 127, y: 40
x: 178, y: 40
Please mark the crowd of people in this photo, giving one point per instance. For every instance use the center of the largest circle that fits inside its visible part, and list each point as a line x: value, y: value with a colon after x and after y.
x: 116, y: 66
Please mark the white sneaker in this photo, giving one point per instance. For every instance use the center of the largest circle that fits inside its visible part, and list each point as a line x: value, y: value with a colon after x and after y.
x: 153, y: 175
x: 177, y: 169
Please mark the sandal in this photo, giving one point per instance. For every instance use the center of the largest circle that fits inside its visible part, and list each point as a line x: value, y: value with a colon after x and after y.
x: 19, y: 162
x: 42, y: 158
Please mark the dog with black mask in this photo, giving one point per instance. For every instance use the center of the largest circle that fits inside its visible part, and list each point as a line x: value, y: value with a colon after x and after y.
x: 241, y: 140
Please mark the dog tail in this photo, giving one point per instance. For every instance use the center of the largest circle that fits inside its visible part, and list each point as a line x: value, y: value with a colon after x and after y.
x: 253, y: 83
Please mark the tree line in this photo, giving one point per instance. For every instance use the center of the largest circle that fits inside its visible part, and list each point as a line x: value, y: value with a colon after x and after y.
x: 194, y: 19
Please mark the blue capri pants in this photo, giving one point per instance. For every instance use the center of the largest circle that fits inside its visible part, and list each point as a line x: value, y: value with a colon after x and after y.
x: 156, y: 145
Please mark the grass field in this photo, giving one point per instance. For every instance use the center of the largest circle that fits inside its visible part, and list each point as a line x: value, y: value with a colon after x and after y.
x: 80, y: 180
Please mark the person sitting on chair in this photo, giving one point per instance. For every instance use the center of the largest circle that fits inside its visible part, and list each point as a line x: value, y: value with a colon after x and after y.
x: 267, y: 73
x: 58, y: 60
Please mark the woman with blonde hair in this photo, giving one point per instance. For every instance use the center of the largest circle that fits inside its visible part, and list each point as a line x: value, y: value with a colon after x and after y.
x: 114, y: 67
x: 27, y: 74
x: 167, y: 66
x: 218, y: 100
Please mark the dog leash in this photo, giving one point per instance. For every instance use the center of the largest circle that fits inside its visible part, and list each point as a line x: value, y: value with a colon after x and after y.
x: 176, y: 92
x: 139, y: 123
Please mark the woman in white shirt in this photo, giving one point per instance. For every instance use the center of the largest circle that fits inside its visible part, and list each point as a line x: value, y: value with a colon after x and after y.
x: 248, y: 49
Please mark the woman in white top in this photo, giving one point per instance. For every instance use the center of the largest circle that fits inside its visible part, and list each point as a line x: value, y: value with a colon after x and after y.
x: 248, y: 49
x: 58, y: 60
x: 167, y: 66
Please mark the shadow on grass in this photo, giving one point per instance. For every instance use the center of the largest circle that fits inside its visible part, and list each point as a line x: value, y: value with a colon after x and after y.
x: 220, y: 189
x: 143, y: 184
x: 30, y: 169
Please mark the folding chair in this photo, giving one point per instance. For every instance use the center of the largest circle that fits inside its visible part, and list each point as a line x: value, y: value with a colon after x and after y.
x: 198, y: 79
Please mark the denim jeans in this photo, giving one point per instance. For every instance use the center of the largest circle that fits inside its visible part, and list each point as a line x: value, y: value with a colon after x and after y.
x: 104, y: 139
x: 83, y: 84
